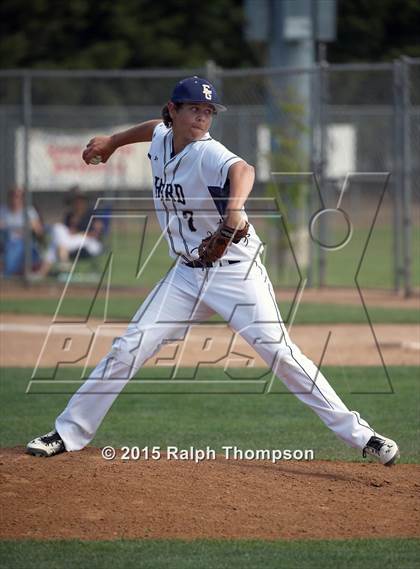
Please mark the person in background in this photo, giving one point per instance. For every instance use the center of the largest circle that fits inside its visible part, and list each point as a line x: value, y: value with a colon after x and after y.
x: 12, y: 227
x: 74, y: 233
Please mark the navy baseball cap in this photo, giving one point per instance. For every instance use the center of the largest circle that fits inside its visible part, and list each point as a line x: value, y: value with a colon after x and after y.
x: 196, y: 90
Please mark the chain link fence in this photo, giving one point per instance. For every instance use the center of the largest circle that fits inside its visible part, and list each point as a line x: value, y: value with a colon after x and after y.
x: 336, y: 150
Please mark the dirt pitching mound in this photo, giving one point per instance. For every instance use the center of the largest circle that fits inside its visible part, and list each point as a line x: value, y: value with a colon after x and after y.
x: 81, y: 495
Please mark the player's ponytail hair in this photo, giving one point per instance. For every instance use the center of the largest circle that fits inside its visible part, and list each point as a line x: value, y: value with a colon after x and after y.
x: 167, y: 121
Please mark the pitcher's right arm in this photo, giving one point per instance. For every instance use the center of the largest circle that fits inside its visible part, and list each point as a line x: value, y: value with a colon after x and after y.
x: 105, y: 146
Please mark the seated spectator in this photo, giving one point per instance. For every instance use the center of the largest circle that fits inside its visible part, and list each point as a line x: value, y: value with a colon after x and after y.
x: 76, y: 232
x: 12, y: 227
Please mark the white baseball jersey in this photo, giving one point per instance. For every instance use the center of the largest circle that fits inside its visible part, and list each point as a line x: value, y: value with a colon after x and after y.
x: 191, y: 191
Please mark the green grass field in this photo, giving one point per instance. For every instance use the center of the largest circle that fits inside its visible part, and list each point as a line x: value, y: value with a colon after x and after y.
x: 140, y: 258
x: 377, y: 268
x: 123, y: 308
x: 247, y: 420
x: 177, y: 554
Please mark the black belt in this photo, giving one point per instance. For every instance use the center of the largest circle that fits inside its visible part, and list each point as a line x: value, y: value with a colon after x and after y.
x: 199, y: 264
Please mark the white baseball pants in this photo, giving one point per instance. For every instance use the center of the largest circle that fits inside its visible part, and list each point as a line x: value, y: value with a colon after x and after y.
x: 243, y: 295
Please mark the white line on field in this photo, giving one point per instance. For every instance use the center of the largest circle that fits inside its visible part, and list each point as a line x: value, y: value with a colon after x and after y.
x: 43, y: 329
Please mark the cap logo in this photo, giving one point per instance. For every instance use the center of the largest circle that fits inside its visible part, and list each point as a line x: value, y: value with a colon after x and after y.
x: 207, y: 92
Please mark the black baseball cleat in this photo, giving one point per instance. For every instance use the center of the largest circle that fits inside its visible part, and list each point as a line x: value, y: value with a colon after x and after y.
x: 47, y: 445
x: 383, y: 449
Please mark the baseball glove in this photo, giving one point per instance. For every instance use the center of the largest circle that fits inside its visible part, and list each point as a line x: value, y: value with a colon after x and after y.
x: 214, y: 246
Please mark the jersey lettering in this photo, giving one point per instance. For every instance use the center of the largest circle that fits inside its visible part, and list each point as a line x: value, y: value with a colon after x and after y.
x: 167, y: 191
x: 179, y: 193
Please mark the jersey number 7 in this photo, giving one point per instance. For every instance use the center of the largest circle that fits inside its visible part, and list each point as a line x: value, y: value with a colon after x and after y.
x: 188, y: 214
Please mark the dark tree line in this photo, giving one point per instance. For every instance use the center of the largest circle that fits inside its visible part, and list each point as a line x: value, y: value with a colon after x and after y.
x: 113, y: 34
x: 376, y: 30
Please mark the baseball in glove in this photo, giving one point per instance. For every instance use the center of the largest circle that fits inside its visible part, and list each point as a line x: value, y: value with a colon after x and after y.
x: 214, y: 246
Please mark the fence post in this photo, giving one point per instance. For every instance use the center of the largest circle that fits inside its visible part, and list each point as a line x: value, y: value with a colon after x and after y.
x: 406, y: 188
x: 27, y: 199
x: 398, y: 177
x: 316, y: 168
x: 314, y: 163
x: 216, y: 76
x: 323, y: 93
